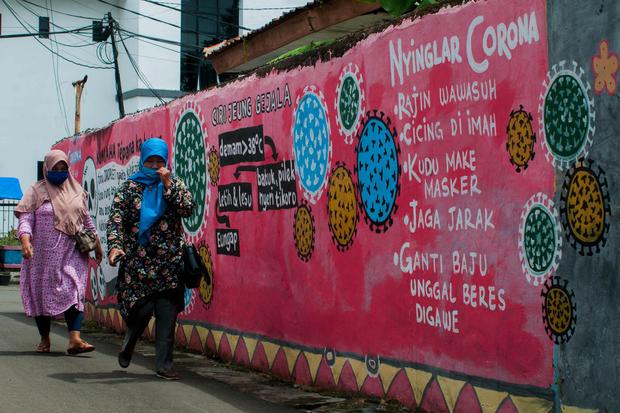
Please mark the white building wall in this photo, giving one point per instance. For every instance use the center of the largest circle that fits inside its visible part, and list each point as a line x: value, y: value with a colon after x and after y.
x: 254, y: 14
x: 32, y: 117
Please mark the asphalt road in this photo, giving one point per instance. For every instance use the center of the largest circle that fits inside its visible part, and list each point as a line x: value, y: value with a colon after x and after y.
x: 93, y: 382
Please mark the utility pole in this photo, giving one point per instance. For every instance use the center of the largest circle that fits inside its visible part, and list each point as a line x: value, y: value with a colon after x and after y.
x: 79, y: 87
x: 117, y: 75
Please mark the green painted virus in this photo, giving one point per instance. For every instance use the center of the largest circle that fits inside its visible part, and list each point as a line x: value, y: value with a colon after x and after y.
x: 568, y: 115
x: 540, y: 239
x: 190, y: 164
x: 349, y: 102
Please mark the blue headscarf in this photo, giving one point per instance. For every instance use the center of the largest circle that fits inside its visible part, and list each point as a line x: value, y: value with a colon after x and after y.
x: 153, y: 202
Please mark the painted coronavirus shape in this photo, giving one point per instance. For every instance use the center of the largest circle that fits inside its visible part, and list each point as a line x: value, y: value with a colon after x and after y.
x: 94, y: 287
x: 540, y: 241
x: 214, y: 166
x: 329, y: 354
x: 378, y: 171
x: 342, y: 207
x: 190, y: 164
x: 205, y: 289
x: 349, y: 101
x: 311, y: 143
x: 372, y: 365
x: 304, y: 231
x: 521, y: 139
x: 101, y: 284
x: 559, y: 310
x: 584, y: 207
x: 567, y: 113
x: 89, y: 183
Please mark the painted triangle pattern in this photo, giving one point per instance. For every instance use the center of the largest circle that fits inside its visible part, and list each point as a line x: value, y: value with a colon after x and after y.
x: 419, y: 380
x: 572, y: 409
x: 387, y: 374
x: 359, y: 369
x: 531, y: 404
x: 217, y: 336
x: 451, y: 389
x: 291, y: 355
x: 489, y: 400
x: 271, y: 350
x: 250, y: 345
x: 337, y: 368
x: 314, y: 363
x: 232, y: 342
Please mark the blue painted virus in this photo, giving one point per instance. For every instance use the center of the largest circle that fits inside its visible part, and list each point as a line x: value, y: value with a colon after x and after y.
x: 377, y: 171
x: 311, y: 143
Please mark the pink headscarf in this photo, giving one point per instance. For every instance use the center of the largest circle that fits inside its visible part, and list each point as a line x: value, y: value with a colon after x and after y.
x: 67, y: 199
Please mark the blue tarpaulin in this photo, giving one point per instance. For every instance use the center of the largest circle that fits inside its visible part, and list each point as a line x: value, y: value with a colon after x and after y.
x: 10, y: 189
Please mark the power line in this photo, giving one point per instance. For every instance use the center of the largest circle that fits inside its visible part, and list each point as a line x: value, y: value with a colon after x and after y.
x: 59, y: 94
x: 159, y: 20
x: 33, y: 35
x: 202, y: 15
x: 18, y: 35
x: 245, y: 8
x: 159, y: 39
x: 49, y: 10
x: 140, y: 74
x: 60, y: 12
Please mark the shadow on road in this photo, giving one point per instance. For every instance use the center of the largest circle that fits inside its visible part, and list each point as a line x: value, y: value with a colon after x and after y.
x: 111, y: 377
x: 31, y: 353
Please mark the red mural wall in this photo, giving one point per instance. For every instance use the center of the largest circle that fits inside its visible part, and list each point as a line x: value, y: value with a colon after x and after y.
x: 375, y: 205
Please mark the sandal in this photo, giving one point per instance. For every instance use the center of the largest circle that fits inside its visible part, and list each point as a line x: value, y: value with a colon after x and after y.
x: 85, y: 348
x: 42, y: 348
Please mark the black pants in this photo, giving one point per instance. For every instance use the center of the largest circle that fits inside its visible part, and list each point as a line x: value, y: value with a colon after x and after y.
x: 73, y: 317
x: 166, y: 306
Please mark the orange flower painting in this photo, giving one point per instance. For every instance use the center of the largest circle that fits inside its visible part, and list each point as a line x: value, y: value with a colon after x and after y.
x: 605, y: 68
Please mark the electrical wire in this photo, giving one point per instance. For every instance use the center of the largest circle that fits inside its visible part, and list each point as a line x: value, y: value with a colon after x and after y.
x: 159, y: 20
x: 244, y: 8
x: 48, y: 10
x: 202, y: 15
x: 17, y: 17
x: 159, y: 39
x: 136, y: 68
x: 56, y: 70
x: 60, y: 12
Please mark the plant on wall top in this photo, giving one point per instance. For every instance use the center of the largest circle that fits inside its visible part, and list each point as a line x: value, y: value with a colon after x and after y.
x: 399, y: 7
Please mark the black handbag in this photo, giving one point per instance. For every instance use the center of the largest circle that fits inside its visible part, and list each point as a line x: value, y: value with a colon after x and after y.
x: 193, y: 267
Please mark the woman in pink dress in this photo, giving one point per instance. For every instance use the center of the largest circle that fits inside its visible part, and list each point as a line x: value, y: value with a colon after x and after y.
x: 54, y: 272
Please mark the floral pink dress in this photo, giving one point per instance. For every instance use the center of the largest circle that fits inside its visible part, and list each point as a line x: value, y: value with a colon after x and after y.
x: 55, y: 278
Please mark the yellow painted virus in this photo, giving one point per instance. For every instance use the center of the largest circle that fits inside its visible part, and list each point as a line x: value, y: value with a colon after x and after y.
x: 521, y: 139
x: 214, y: 166
x: 342, y: 207
x: 585, y: 208
x: 304, y: 232
x: 206, y: 283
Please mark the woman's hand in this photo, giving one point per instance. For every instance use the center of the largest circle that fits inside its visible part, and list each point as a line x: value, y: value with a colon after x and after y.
x: 115, y: 255
x: 27, y: 251
x: 98, y: 252
x: 165, y: 176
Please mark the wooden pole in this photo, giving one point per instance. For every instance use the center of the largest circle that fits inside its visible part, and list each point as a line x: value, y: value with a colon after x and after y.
x: 79, y: 87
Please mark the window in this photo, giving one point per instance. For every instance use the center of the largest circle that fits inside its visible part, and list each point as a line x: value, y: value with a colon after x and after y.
x: 204, y: 23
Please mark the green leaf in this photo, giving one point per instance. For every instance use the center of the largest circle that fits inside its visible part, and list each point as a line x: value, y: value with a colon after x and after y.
x: 300, y: 50
x: 398, y: 7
